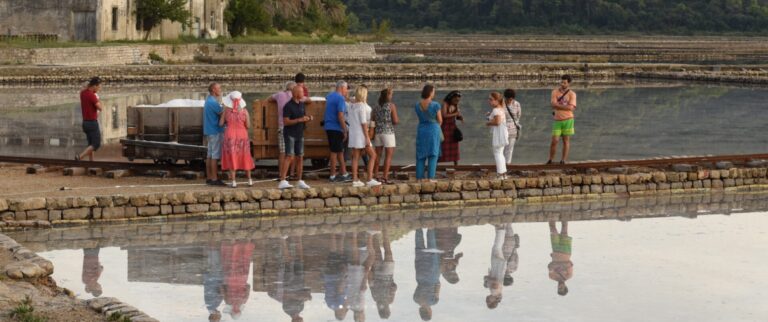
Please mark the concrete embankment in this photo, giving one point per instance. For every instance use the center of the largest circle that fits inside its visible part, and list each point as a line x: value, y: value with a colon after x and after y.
x: 45, y: 212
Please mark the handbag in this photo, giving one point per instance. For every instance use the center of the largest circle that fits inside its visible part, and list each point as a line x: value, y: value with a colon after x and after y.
x: 457, y: 135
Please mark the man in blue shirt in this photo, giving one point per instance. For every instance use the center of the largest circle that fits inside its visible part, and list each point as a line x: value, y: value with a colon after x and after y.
x: 336, y: 128
x: 213, y: 133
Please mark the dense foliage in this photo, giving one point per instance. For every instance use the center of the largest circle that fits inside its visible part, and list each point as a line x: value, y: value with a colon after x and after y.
x: 150, y: 13
x: 575, y: 16
x: 297, y: 16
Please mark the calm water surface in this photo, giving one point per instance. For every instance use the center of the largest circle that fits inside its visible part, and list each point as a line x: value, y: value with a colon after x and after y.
x: 625, y: 121
x: 688, y: 259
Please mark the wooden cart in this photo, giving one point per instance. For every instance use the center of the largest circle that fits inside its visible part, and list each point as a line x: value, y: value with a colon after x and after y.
x: 172, y: 134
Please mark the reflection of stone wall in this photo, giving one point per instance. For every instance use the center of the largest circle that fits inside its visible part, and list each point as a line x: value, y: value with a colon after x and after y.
x: 200, y: 233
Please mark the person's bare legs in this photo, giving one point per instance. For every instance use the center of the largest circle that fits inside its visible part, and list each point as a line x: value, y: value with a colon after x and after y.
x: 387, y: 247
x: 564, y: 228
x: 342, y: 164
x: 552, y: 228
x: 355, y: 160
x: 371, y: 156
x: 88, y: 152
x: 298, y: 166
x: 379, y: 150
x: 566, y: 147
x: 284, y: 171
x: 280, y: 162
x: 388, y: 162
x: 212, y: 169
x: 553, y: 147
x: 233, y: 175
x: 333, y: 160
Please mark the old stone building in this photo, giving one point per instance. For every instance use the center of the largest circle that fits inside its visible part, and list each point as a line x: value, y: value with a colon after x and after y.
x: 103, y: 20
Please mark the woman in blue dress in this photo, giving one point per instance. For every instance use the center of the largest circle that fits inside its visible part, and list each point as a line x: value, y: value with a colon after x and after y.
x: 429, y: 134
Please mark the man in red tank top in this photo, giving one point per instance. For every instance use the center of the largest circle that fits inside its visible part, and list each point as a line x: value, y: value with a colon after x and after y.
x: 90, y: 106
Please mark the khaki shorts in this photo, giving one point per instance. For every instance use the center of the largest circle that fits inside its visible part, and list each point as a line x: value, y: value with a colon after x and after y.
x: 384, y: 140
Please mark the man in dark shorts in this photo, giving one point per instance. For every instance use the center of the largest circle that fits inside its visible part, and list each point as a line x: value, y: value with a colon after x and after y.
x: 90, y: 106
x: 336, y: 128
x: 294, y: 121
x: 563, y: 101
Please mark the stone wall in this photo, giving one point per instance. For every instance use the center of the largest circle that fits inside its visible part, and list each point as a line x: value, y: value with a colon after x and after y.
x: 144, y: 234
x: 44, y: 212
x: 185, y: 53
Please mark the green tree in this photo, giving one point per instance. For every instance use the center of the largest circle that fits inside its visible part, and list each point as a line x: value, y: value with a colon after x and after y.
x: 242, y: 16
x: 151, y: 13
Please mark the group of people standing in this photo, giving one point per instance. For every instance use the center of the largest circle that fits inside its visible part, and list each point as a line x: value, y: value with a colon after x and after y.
x: 353, y: 125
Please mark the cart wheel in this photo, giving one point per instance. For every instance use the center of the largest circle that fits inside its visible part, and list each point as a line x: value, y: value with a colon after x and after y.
x: 156, y: 161
x: 320, y: 163
x: 130, y: 159
x: 170, y: 161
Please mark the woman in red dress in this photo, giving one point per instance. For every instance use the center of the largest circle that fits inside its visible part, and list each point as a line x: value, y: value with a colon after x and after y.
x: 236, y: 147
x: 236, y: 264
x: 450, y: 147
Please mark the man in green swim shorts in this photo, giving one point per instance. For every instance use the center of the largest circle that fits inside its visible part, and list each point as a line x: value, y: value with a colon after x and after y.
x: 563, y: 103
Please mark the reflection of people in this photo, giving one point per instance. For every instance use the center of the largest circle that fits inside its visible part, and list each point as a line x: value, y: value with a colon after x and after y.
x: 383, y: 285
x: 91, y: 106
x: 503, y: 263
x: 447, y: 241
x: 236, y: 262
x: 212, y: 284
x: 358, y: 268
x: 288, y: 287
x: 561, y: 267
x: 92, y: 271
x: 427, y: 263
x: 335, y: 277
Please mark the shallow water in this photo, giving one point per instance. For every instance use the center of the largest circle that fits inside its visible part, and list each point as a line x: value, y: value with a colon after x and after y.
x: 666, y: 258
x: 624, y: 121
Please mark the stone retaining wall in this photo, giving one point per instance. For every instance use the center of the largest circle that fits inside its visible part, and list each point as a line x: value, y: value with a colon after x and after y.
x: 44, y: 212
x: 185, y: 53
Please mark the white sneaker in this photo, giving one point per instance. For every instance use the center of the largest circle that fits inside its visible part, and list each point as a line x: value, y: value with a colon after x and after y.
x: 250, y: 182
x: 233, y: 184
x: 302, y: 185
x: 284, y: 185
x: 358, y: 184
x: 373, y: 183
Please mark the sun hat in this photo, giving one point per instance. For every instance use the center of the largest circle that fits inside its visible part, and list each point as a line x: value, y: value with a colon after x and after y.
x: 229, y: 100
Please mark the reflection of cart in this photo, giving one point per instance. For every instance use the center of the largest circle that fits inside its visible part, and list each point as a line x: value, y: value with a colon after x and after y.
x: 171, y: 134
x: 264, y: 136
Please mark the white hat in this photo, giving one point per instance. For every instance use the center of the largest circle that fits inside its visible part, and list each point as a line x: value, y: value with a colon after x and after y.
x: 228, y: 100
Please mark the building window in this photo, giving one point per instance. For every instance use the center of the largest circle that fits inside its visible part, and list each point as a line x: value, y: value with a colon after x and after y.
x: 213, y: 20
x: 114, y: 18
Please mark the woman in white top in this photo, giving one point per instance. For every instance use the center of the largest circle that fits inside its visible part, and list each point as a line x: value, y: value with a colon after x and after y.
x: 513, y: 113
x: 499, y: 136
x: 359, y: 136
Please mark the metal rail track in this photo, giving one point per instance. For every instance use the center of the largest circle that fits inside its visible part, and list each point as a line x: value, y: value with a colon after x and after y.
x: 602, y: 164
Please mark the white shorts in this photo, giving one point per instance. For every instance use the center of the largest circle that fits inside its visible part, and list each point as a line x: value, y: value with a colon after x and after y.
x: 385, y: 140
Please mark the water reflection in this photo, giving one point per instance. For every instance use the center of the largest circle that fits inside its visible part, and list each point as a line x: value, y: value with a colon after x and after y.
x: 406, y: 269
